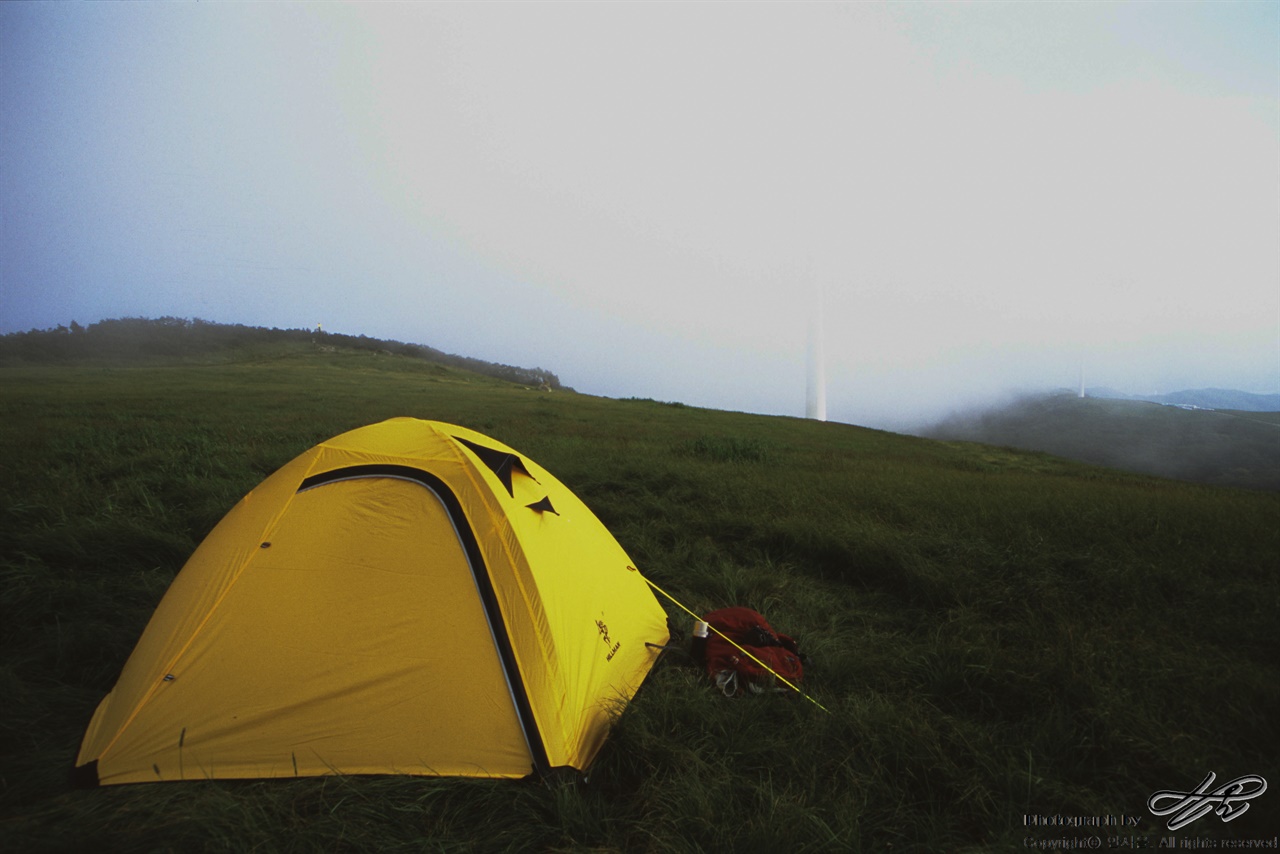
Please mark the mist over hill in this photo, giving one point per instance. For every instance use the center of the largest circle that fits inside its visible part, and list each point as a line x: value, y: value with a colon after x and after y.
x: 1205, y: 445
x: 136, y: 338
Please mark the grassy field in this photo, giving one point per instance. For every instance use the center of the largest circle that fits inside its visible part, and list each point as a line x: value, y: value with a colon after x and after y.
x: 995, y: 634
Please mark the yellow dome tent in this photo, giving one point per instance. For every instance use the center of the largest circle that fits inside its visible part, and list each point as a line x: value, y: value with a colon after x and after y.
x: 409, y: 597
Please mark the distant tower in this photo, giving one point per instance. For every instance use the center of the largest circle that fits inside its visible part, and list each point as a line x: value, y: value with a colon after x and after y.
x: 1081, y: 377
x: 816, y: 392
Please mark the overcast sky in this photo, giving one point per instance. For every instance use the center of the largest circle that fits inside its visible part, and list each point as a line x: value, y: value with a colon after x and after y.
x: 648, y: 198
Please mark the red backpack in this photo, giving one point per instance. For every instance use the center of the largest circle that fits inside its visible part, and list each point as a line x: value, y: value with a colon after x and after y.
x: 735, y: 672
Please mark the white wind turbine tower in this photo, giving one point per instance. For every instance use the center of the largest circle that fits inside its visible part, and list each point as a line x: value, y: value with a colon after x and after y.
x: 816, y: 391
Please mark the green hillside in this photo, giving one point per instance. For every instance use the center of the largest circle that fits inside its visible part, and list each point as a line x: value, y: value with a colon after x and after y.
x: 180, y: 340
x: 996, y: 634
x: 1223, y: 447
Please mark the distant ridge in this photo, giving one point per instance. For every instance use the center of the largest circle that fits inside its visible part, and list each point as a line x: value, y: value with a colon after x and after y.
x: 1203, y: 398
x: 1220, y: 447
x: 138, y: 338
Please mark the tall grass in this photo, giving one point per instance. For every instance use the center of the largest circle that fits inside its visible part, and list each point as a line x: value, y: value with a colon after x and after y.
x: 993, y: 633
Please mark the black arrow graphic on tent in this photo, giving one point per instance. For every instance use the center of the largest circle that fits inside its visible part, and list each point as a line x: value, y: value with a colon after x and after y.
x: 543, y: 506
x: 501, y: 463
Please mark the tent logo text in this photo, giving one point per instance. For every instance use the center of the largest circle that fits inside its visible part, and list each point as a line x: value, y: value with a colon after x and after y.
x: 604, y: 636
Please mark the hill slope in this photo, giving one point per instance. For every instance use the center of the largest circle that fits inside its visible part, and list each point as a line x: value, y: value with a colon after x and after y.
x: 1217, y: 447
x: 997, y: 635
x: 134, y: 340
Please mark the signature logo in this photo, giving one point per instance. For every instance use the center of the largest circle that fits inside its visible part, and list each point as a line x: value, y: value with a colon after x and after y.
x: 1229, y: 801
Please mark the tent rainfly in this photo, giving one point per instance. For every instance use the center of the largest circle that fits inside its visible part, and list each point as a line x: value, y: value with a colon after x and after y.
x: 409, y: 597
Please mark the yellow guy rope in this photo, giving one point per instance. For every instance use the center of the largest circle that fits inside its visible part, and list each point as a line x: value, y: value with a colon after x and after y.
x: 681, y: 605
